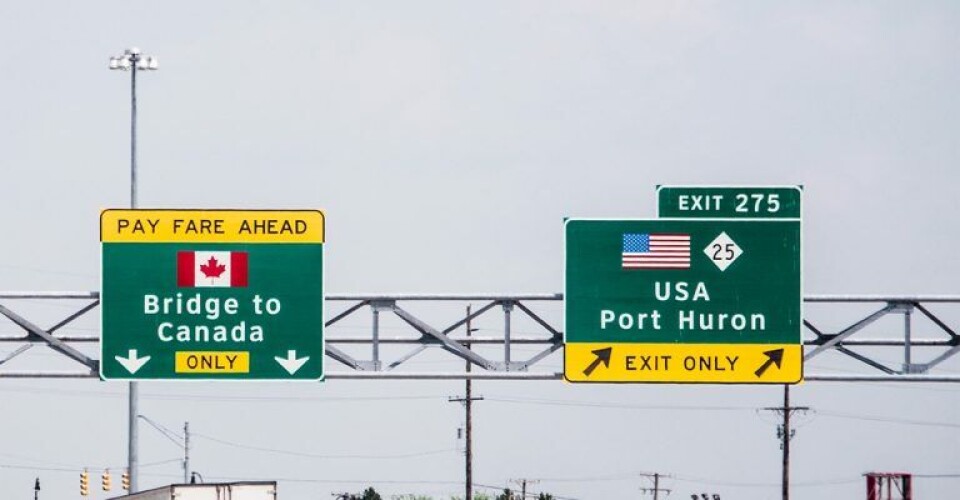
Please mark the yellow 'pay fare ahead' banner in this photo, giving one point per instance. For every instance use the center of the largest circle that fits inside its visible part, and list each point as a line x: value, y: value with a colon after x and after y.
x: 211, y: 226
x: 684, y: 363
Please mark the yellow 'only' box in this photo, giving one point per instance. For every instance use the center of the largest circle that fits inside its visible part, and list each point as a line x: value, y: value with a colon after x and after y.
x: 211, y: 226
x: 212, y: 362
x: 684, y: 363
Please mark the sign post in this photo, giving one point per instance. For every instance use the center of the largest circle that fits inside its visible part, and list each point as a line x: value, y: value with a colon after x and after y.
x: 212, y: 294
x: 683, y: 301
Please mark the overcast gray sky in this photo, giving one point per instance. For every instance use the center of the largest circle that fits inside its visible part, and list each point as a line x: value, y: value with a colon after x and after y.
x: 446, y: 141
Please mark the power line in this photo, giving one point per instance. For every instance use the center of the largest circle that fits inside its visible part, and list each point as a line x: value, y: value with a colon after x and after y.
x: 325, y: 457
x: 590, y: 479
x: 557, y: 402
x: 888, y: 420
x: 747, y: 484
x: 75, y: 468
x: 220, y: 398
x: 31, y: 459
x: 852, y: 416
x: 494, y: 399
x: 167, y: 433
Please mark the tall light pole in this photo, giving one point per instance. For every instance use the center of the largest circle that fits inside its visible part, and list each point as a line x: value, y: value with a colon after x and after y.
x: 132, y: 60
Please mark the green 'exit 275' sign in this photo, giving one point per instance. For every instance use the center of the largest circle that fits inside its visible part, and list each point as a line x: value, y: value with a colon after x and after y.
x: 729, y: 202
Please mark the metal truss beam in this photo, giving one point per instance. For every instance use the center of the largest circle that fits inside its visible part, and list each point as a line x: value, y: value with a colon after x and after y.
x: 538, y: 332
x: 37, y: 334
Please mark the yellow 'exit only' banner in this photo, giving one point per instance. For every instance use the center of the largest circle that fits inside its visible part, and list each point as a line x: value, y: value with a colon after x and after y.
x: 684, y: 363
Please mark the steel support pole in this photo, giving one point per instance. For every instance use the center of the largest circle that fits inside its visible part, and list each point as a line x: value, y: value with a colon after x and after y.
x: 134, y: 394
x: 907, y: 361
x: 468, y: 476
x: 134, y: 60
x: 132, y: 459
x: 507, y: 309
x: 376, y: 337
x: 785, y: 484
x: 186, y: 452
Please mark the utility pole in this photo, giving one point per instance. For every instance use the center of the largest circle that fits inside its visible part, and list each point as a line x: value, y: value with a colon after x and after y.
x: 655, y: 491
x: 785, y: 480
x: 186, y: 452
x: 523, y: 485
x: 785, y: 433
x: 467, y: 401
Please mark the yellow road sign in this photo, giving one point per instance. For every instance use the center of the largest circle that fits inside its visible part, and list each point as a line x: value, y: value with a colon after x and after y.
x: 684, y: 363
x: 212, y: 362
x: 211, y: 226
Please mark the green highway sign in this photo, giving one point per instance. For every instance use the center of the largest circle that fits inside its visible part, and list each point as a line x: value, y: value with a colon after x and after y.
x: 683, y: 301
x: 757, y: 202
x: 212, y: 294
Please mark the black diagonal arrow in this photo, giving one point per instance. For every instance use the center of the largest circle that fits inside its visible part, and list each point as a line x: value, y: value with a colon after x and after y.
x: 774, y: 356
x: 603, y: 356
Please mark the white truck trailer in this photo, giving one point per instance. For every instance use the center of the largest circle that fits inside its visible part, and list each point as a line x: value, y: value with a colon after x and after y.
x: 249, y: 490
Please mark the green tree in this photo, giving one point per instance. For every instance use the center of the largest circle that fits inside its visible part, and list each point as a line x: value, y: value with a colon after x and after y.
x: 506, y: 495
x: 545, y: 496
x: 370, y: 494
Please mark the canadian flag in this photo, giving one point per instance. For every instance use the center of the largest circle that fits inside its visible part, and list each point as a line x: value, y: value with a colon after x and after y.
x: 212, y: 269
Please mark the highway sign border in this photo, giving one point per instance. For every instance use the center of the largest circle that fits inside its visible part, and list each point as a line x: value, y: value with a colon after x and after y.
x: 796, y: 187
x: 566, y: 298
x: 323, y: 297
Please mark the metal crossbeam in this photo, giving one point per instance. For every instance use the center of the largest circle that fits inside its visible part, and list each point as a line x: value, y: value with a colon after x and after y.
x: 39, y: 334
x: 540, y: 330
x: 825, y: 342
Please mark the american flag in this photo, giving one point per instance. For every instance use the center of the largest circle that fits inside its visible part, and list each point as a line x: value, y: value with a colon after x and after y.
x: 656, y: 251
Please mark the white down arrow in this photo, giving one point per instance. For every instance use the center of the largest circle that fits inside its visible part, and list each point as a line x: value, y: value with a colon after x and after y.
x: 132, y: 363
x: 291, y: 363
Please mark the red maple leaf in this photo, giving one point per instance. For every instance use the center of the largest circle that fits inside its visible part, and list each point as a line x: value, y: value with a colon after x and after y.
x: 212, y: 269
